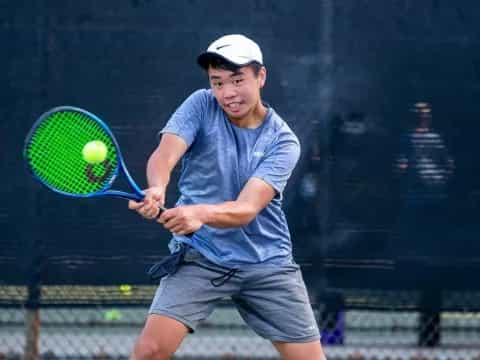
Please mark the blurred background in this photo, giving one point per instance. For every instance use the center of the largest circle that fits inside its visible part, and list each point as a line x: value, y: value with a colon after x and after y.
x: 383, y: 206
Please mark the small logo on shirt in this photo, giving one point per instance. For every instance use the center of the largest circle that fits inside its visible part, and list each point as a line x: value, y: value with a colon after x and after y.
x: 258, y: 153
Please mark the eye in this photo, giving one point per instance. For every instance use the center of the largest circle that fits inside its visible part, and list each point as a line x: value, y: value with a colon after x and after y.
x: 237, y: 81
x: 217, y: 85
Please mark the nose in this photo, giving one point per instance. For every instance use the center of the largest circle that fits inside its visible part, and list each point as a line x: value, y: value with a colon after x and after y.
x: 229, y: 91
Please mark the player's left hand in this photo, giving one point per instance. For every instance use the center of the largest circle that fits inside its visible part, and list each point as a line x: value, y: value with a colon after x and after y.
x: 182, y: 220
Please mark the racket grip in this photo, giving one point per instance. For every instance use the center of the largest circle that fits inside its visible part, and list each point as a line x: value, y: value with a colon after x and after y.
x: 162, y: 209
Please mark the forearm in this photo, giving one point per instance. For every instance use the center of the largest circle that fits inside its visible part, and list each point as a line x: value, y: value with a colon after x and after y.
x: 163, y: 160
x: 158, y: 170
x: 229, y: 214
x: 253, y: 198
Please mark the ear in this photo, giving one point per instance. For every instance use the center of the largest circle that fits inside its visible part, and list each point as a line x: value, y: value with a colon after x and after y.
x: 262, y: 76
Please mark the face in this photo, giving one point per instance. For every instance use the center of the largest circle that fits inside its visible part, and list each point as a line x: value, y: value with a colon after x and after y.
x: 238, y: 93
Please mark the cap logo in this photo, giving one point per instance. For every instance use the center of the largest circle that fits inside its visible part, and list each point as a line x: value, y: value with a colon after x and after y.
x: 222, y: 46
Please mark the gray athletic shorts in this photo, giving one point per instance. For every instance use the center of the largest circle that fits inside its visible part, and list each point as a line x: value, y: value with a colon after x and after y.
x: 272, y: 300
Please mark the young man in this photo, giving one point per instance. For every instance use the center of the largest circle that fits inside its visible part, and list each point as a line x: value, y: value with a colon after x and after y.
x: 230, y: 236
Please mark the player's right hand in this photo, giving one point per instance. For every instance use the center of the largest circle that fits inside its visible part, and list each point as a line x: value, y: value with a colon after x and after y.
x: 150, y: 206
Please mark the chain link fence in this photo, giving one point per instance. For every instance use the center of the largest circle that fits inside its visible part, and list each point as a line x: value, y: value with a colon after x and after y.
x: 82, y: 322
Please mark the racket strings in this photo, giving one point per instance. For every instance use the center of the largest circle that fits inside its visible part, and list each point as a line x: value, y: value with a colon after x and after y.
x: 65, y: 144
x: 55, y: 153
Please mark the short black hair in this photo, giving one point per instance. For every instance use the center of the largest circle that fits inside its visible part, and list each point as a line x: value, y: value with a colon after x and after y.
x: 218, y: 62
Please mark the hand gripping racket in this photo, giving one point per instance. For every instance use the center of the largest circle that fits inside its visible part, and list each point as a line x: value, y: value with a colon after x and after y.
x: 53, y: 152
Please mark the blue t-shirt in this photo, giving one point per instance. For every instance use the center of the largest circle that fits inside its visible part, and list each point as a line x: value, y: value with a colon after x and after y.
x: 220, y: 159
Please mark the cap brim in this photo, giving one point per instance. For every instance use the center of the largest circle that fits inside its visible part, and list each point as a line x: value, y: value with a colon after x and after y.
x: 204, y: 59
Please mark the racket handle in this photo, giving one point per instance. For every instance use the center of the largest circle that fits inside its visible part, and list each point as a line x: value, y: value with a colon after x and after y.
x: 162, y: 209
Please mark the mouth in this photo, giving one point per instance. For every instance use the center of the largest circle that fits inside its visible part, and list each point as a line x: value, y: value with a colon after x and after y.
x: 233, y: 106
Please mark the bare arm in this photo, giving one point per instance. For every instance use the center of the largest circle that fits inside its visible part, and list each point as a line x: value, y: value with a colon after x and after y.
x: 253, y: 198
x: 159, y: 167
x: 163, y: 160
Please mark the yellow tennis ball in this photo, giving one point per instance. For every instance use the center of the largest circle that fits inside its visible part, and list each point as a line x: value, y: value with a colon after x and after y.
x: 126, y: 289
x: 112, y: 315
x: 94, y: 152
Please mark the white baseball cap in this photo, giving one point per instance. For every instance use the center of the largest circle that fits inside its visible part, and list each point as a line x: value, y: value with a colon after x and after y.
x: 237, y: 49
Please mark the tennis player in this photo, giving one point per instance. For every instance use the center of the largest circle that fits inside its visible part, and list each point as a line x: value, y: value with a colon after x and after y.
x: 237, y: 155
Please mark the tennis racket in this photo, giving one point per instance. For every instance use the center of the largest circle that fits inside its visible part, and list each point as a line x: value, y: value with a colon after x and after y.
x: 53, y: 153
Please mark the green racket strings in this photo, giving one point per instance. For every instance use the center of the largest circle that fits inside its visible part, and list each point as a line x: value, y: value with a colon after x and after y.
x: 54, y: 153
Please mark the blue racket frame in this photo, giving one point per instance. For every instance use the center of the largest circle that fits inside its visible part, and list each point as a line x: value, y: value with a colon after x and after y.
x: 137, y: 193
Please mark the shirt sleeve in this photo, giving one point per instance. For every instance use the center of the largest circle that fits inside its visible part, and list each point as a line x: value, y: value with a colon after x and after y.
x: 186, y: 120
x: 277, y: 166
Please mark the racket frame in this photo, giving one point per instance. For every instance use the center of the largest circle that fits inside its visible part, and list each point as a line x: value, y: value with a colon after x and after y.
x: 137, y: 193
